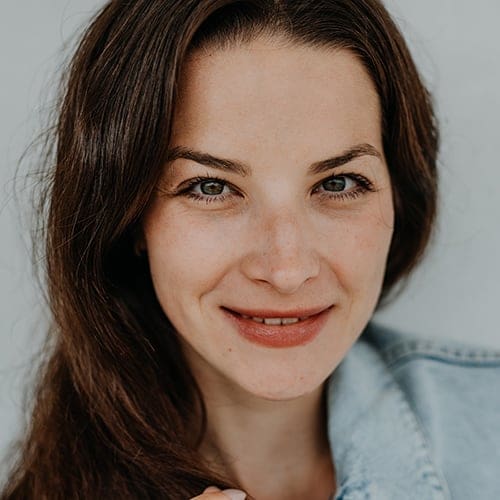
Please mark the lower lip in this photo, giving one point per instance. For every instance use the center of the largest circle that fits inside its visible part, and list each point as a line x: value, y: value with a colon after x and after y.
x: 292, y: 335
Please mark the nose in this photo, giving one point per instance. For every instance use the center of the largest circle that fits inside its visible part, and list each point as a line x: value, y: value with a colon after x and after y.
x: 282, y: 252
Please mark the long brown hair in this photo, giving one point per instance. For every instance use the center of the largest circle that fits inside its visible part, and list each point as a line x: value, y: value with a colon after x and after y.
x: 117, y: 413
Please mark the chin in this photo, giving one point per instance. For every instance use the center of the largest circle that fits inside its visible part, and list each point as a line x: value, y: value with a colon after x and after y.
x: 285, y: 388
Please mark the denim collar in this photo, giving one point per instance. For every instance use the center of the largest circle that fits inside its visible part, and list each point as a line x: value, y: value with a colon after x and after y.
x: 378, y: 446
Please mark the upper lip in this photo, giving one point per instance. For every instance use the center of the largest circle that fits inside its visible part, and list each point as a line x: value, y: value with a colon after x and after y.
x: 274, y: 313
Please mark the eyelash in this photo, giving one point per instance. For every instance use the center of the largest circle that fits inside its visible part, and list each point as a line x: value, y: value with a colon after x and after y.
x: 364, y: 185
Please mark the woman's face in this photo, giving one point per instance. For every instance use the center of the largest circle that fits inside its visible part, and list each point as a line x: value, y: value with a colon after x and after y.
x: 271, y: 229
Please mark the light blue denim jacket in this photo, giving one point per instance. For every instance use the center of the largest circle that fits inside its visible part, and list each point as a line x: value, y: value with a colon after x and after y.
x: 415, y: 419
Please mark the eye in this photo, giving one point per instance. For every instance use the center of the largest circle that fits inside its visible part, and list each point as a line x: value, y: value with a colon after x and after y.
x: 338, y: 184
x: 211, y: 187
x: 207, y: 189
x: 346, y: 186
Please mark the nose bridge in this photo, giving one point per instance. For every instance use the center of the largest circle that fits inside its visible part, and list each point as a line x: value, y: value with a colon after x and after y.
x: 283, y: 251
x: 284, y: 231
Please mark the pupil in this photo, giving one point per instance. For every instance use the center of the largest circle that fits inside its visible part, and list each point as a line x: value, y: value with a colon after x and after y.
x: 337, y: 184
x: 211, y: 187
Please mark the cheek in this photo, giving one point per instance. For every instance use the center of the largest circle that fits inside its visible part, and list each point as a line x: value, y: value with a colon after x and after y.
x: 187, y: 255
x: 359, y: 252
x: 190, y: 254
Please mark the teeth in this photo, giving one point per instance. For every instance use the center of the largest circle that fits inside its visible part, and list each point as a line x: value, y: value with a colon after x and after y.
x: 274, y: 321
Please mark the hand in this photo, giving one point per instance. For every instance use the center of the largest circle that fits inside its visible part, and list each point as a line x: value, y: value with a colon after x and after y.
x: 214, y: 493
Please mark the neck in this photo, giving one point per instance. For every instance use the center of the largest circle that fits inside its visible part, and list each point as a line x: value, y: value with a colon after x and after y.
x: 273, y: 449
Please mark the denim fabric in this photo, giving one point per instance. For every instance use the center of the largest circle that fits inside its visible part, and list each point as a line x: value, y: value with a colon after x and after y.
x: 415, y: 419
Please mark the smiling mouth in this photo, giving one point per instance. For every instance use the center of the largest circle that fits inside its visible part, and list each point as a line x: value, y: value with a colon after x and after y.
x: 278, y: 318
x: 272, y: 328
x: 273, y: 321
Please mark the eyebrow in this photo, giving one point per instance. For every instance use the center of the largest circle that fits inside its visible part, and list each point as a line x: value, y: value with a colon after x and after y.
x: 243, y: 169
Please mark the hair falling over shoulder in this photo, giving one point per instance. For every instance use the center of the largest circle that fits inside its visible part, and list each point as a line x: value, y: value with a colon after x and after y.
x: 117, y: 413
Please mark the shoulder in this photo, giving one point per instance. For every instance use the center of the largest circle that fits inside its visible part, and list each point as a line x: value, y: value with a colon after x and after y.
x: 442, y: 378
x: 400, y: 348
x: 415, y: 417
x: 453, y: 388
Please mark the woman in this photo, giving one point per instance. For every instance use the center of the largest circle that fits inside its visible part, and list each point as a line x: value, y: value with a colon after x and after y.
x: 237, y: 186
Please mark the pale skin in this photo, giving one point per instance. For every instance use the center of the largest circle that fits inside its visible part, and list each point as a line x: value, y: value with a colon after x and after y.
x: 280, y: 235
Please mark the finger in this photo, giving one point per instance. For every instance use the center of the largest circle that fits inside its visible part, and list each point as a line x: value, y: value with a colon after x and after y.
x: 214, y: 493
x: 210, y: 493
x: 235, y: 494
x: 212, y: 489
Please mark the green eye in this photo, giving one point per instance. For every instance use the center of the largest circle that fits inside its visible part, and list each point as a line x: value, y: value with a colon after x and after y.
x: 335, y: 184
x: 211, y: 188
x: 208, y: 189
x: 343, y: 187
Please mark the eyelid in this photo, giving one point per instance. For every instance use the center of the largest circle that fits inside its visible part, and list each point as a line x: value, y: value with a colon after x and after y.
x: 186, y: 188
x: 360, y: 179
x: 204, y: 178
x: 190, y: 183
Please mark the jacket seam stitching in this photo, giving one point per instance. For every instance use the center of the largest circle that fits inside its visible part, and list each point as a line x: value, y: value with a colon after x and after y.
x: 426, y: 467
x: 429, y: 350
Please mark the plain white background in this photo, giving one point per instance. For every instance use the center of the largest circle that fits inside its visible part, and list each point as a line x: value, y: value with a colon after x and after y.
x: 454, y: 294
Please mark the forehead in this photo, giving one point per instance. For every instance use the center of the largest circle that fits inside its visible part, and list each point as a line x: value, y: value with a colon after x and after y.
x: 270, y: 97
